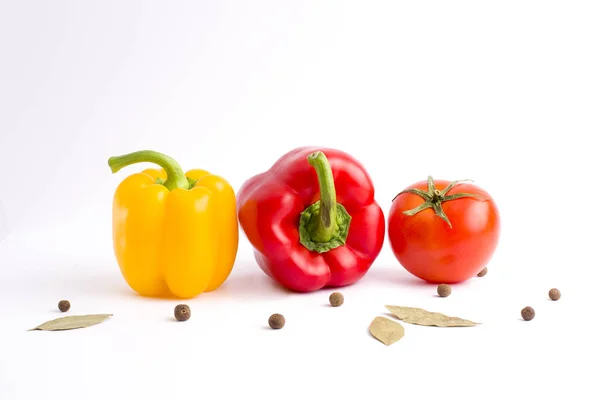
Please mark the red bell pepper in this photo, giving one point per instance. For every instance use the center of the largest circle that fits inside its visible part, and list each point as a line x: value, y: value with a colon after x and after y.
x: 312, y: 219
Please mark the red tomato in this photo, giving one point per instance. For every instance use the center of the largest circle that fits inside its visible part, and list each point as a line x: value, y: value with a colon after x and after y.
x: 451, y: 235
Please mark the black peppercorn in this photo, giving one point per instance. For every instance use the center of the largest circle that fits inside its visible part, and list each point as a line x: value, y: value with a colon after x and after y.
x: 528, y: 313
x: 276, y: 321
x: 336, y: 299
x: 444, y: 290
x: 554, y: 294
x: 182, y: 312
x: 64, y: 305
x: 482, y: 273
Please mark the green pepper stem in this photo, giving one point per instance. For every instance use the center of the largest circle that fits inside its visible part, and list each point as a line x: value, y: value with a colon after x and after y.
x: 323, y: 222
x: 175, y: 176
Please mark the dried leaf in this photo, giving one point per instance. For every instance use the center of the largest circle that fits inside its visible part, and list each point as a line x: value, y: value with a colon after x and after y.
x: 418, y: 316
x: 72, y: 322
x: 386, y: 331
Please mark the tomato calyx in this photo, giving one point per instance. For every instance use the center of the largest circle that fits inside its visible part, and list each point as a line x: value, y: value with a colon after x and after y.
x: 434, y: 198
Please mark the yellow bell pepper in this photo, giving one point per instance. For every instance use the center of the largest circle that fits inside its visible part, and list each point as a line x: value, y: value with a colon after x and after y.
x: 174, y: 233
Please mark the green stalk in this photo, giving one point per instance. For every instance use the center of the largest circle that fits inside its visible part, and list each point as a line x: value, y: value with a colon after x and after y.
x: 175, y: 175
x: 324, y: 225
x: 434, y: 198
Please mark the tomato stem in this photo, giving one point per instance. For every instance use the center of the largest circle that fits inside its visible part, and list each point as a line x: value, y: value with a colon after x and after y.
x: 434, y: 198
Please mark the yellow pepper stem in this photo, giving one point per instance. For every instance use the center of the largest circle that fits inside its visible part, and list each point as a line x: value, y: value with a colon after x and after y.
x: 175, y: 175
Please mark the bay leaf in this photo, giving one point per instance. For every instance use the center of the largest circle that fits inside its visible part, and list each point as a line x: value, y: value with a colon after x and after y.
x: 386, y: 331
x: 72, y: 322
x: 419, y: 316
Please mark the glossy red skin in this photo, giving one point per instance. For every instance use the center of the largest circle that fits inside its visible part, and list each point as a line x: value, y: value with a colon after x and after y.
x: 429, y: 249
x: 269, y: 208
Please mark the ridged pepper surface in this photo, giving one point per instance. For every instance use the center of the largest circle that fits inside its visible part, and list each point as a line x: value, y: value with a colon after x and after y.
x: 174, y: 233
x: 312, y: 219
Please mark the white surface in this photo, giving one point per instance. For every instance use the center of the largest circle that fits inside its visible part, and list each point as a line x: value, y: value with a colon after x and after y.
x: 503, y: 93
x: 4, y: 229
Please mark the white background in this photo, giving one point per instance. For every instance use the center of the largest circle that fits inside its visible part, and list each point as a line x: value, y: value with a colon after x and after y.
x: 505, y: 93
